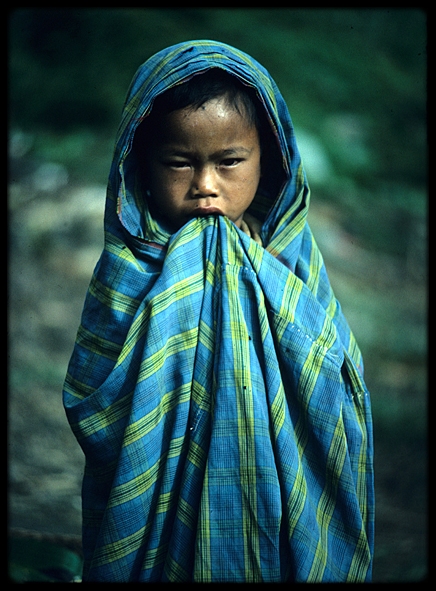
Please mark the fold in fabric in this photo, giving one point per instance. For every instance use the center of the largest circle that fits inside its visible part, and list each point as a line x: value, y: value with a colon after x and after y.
x: 215, y: 386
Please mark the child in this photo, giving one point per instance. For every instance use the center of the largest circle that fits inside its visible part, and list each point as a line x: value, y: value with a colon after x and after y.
x: 215, y: 386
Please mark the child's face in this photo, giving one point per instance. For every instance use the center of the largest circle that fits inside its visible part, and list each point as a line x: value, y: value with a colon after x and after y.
x: 205, y: 161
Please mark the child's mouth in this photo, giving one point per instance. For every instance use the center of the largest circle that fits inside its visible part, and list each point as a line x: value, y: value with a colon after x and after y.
x: 207, y: 210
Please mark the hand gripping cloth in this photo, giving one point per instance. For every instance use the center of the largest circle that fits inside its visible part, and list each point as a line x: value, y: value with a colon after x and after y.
x: 215, y: 386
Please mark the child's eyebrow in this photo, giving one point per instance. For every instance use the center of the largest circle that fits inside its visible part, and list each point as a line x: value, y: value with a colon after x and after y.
x: 235, y: 150
x: 231, y: 151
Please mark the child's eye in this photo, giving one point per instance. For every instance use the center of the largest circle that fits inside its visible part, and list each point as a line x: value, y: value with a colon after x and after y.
x: 231, y: 161
x: 178, y: 164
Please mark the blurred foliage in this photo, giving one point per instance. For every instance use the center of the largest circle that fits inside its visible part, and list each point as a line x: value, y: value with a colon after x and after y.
x: 353, y: 78
x: 38, y: 559
x: 355, y: 84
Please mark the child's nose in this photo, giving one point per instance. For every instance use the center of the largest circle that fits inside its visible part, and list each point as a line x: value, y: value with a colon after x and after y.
x: 205, y: 182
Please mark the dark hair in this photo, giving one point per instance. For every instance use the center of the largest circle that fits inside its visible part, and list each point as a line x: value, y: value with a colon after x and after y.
x: 206, y: 86
x: 198, y: 90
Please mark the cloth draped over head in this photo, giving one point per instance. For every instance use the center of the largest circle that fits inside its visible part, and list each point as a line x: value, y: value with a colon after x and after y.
x: 215, y: 386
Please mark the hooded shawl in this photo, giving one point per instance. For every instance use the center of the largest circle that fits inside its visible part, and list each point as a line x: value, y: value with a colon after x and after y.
x: 215, y: 386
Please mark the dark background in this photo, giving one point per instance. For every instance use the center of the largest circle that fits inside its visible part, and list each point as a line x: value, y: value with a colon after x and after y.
x: 355, y: 84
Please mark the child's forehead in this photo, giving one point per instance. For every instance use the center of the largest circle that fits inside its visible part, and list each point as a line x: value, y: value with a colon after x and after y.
x: 212, y: 117
x: 220, y: 109
x: 195, y: 95
x: 222, y: 105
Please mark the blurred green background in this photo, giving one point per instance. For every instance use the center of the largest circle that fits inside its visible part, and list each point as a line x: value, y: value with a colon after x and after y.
x: 355, y: 84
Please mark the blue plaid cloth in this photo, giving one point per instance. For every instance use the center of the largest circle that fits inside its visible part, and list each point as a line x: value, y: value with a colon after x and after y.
x: 215, y: 386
